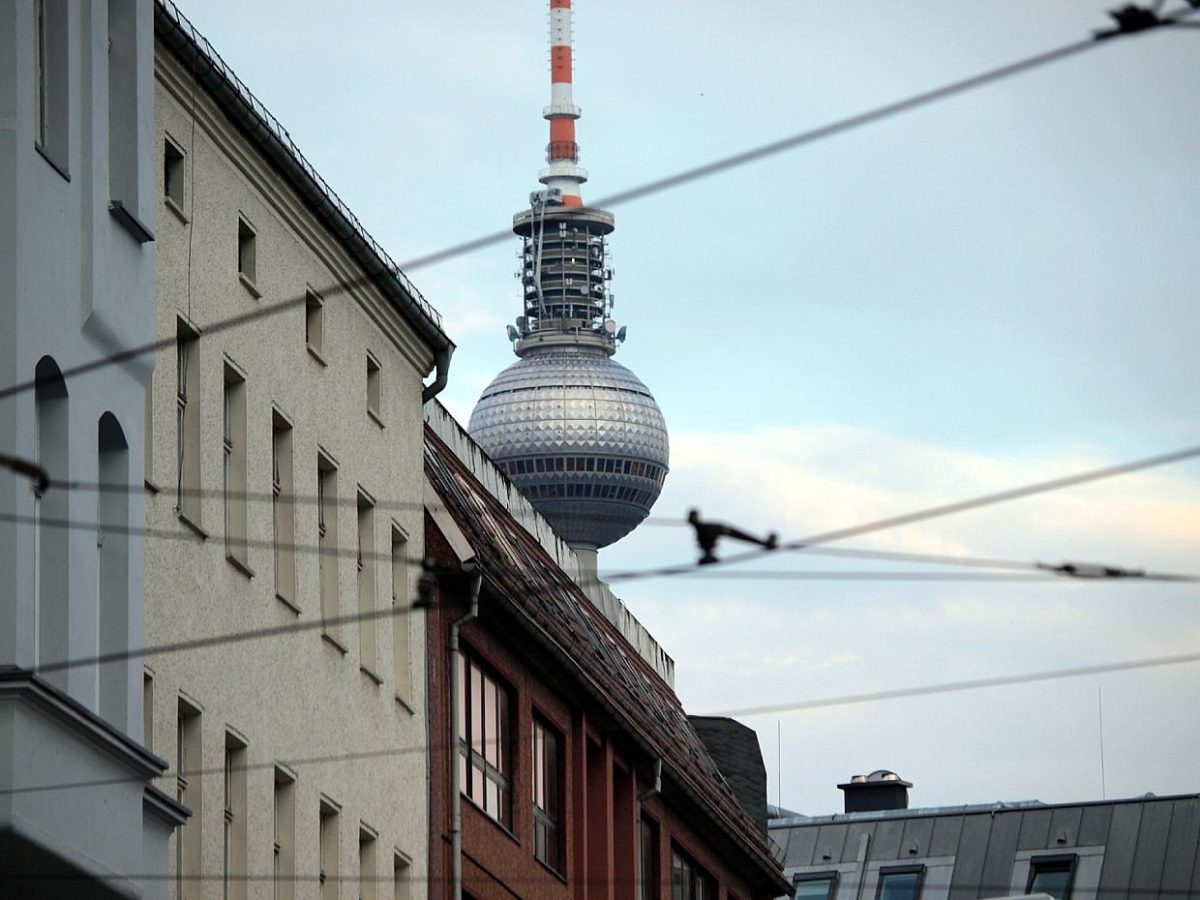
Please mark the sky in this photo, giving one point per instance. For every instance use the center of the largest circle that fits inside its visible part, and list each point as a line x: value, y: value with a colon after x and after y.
x: 991, y: 291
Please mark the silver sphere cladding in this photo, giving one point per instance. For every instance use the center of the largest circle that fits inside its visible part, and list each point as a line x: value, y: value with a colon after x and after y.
x: 581, y: 436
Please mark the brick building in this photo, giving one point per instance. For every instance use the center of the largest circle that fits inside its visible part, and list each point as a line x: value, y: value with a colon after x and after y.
x: 579, y: 773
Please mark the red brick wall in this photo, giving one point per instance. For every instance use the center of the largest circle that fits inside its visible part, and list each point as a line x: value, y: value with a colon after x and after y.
x: 600, y: 785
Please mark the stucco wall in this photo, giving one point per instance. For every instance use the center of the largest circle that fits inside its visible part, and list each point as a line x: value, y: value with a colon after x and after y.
x: 296, y: 696
x: 75, y: 286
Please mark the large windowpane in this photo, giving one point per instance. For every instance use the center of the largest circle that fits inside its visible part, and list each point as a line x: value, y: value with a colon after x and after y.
x: 547, y: 747
x: 817, y: 887
x: 1051, y: 876
x: 899, y: 884
x: 484, y: 733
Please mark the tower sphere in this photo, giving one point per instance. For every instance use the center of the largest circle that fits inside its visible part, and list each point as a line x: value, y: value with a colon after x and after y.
x: 581, y: 436
x: 576, y: 431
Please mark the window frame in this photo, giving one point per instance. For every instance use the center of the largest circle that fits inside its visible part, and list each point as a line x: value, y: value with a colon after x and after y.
x: 1046, y: 863
x: 697, y: 876
x: 547, y: 820
x: 235, y: 461
x: 471, y: 760
x: 367, y: 565
x: 188, y: 455
x: 175, y: 181
x: 247, y: 255
x: 283, y: 509
x: 328, y: 551
x: 917, y: 869
x: 314, y: 324
x: 830, y: 876
x: 649, y: 889
x: 374, y: 388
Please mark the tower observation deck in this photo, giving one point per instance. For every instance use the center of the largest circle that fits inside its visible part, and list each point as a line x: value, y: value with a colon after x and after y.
x: 575, y: 430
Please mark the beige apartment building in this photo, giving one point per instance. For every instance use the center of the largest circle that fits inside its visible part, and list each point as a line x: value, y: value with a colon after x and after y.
x: 284, y: 461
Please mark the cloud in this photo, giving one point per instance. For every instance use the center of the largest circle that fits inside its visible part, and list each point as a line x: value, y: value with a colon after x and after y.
x: 761, y: 642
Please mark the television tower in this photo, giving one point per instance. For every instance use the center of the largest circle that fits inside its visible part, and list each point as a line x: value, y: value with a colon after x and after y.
x: 575, y: 430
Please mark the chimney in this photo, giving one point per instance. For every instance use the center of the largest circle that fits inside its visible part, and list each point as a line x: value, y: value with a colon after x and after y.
x: 880, y: 790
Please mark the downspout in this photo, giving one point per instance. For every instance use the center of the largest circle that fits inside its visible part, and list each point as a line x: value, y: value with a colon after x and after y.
x: 642, y: 797
x: 442, y: 360
x: 455, y: 777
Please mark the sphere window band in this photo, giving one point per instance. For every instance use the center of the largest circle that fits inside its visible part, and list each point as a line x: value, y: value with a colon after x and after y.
x: 604, y: 464
x: 591, y: 491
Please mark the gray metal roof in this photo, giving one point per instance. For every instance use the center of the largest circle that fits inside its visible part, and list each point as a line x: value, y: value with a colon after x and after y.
x: 1135, y: 847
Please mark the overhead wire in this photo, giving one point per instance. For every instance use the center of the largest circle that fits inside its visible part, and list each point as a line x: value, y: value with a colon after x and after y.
x: 932, y: 512
x: 655, y: 186
x: 691, y: 568
x: 743, y: 712
x: 948, y: 687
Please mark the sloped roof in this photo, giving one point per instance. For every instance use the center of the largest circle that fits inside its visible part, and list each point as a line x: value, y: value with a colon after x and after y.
x: 520, y: 573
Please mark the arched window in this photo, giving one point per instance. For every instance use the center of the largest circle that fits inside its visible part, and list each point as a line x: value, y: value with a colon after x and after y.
x: 112, y: 569
x: 52, y: 513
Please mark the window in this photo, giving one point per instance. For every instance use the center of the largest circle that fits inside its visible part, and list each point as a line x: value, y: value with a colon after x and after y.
x: 283, y: 509
x: 366, y: 585
x: 900, y: 883
x: 401, y: 876
x: 485, y: 757
x: 51, y: 79
x: 648, y: 869
x: 327, y: 544
x: 112, y: 570
x: 246, y: 263
x: 815, y: 886
x: 52, y: 511
x: 174, y: 177
x: 234, y: 443
x: 547, y: 795
x: 1051, y: 875
x: 283, y: 870
x: 234, y: 844
x: 688, y: 880
x: 367, y: 879
x: 401, y: 617
x: 188, y: 775
x: 373, y: 389
x: 328, y: 849
x: 148, y: 710
x: 187, y: 431
x: 314, y: 323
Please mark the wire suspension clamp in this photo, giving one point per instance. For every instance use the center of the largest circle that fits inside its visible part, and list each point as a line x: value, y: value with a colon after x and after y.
x: 708, y: 533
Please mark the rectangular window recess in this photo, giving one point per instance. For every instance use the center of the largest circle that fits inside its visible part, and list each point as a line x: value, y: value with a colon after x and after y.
x: 247, y: 263
x: 174, y: 177
x: 314, y: 324
x: 127, y: 220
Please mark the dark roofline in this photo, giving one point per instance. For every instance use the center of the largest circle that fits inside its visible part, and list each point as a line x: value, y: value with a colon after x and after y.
x: 999, y: 806
x: 273, y: 140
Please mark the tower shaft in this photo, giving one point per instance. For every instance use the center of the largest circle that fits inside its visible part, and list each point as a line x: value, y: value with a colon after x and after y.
x: 562, y: 153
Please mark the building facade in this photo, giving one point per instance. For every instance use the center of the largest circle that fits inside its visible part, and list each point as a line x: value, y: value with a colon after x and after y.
x: 1141, y: 847
x: 284, y: 468
x: 563, y: 764
x: 79, y: 816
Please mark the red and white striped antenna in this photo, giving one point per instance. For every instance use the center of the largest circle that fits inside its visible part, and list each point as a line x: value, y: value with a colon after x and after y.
x: 562, y: 153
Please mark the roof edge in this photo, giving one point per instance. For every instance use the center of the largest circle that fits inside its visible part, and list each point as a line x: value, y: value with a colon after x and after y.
x: 249, y: 114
